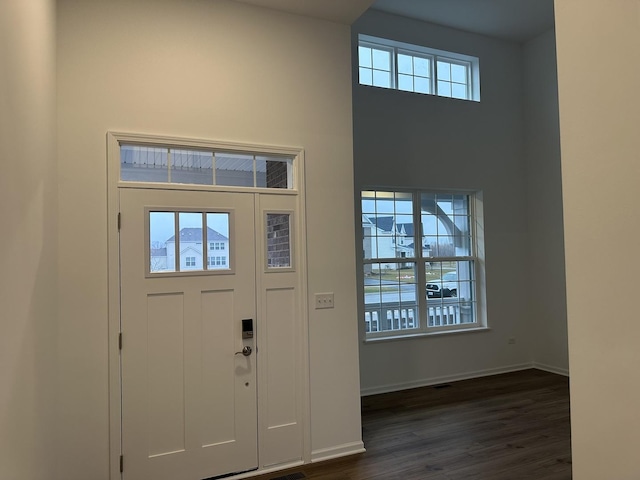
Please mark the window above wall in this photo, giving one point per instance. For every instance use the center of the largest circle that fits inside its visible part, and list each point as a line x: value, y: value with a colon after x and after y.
x: 422, y: 263
x: 413, y: 68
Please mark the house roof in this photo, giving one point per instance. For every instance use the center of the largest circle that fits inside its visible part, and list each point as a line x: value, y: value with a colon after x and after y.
x: 406, y: 228
x: 194, y: 234
x: 383, y: 223
x: 159, y: 252
x: 386, y: 224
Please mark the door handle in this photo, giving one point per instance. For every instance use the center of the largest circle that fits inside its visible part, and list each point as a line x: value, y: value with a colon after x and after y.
x: 246, y: 351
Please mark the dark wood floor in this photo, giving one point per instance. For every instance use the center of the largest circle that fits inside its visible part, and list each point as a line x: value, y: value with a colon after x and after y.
x: 505, y: 427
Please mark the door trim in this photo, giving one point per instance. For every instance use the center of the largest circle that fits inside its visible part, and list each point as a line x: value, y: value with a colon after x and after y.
x: 115, y: 341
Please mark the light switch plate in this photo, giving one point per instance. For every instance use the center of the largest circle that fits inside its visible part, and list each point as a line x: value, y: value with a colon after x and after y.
x: 324, y: 300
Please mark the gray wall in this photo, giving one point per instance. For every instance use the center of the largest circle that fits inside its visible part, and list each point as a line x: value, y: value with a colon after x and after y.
x: 548, y: 306
x: 423, y: 141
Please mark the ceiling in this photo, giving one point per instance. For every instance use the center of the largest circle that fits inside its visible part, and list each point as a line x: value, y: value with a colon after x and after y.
x: 339, y: 11
x: 516, y: 20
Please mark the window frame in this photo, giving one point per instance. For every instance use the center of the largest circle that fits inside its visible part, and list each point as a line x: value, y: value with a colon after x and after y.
x: 433, y: 55
x: 419, y: 260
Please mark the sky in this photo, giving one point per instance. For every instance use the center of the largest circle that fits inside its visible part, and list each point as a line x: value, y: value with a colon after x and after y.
x: 162, y: 224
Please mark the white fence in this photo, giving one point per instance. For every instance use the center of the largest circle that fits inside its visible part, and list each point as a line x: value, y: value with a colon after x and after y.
x: 391, y: 316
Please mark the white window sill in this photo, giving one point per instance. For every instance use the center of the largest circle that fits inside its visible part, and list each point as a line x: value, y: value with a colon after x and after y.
x: 413, y: 336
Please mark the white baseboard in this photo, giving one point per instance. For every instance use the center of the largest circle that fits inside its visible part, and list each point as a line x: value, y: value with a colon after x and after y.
x: 551, y: 369
x: 461, y: 376
x: 337, y: 451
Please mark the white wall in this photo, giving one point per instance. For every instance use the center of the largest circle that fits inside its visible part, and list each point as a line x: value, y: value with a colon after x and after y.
x: 404, y: 139
x: 546, y: 279
x: 599, y: 121
x: 28, y: 240
x: 206, y: 69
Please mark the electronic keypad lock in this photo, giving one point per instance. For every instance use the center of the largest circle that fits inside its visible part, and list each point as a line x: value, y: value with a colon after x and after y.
x: 247, y: 328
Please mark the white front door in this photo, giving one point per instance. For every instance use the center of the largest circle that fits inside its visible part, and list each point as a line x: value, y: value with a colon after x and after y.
x: 189, y: 408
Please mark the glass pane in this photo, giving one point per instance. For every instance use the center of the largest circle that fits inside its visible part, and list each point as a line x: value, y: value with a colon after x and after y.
x: 162, y: 227
x: 429, y: 246
x: 459, y: 73
x: 368, y: 202
x: 273, y: 172
x: 462, y: 245
x: 421, y: 66
x: 445, y: 202
x: 450, y: 293
x: 191, y: 166
x: 441, y: 279
x: 218, y: 246
x: 390, y: 297
x: 405, y: 64
x: 190, y: 245
x: 381, y: 79
x: 446, y: 247
x: 364, y: 57
x: 405, y: 82
x: 444, y: 89
x: 368, y: 244
x: 458, y: 91
x: 387, y: 225
x: 144, y: 164
x: 405, y: 245
x: 278, y: 240
x: 461, y: 223
x: 381, y: 60
x: 444, y: 71
x: 428, y: 203
x: 366, y: 76
x: 461, y: 204
x: 384, y: 203
x: 234, y: 169
x: 422, y: 85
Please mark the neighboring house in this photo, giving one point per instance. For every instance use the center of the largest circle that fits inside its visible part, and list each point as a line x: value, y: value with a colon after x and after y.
x: 384, y: 238
x: 191, y: 251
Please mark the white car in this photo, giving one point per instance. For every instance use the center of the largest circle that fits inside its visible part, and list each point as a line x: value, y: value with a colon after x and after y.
x: 447, y: 286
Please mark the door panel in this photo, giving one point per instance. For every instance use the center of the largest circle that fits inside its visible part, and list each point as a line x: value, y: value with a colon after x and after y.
x: 280, y: 305
x: 188, y: 401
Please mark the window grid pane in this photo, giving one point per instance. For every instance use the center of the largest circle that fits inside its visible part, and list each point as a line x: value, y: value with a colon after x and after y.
x: 419, y: 69
x: 388, y: 225
x: 390, y: 297
x: 375, y: 66
x: 413, y: 73
x: 450, y: 293
x: 391, y: 289
x: 453, y: 79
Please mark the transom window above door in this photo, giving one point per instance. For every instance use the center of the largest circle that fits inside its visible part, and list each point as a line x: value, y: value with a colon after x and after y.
x: 190, y: 166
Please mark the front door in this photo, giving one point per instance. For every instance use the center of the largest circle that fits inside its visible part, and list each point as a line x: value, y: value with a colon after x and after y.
x: 188, y: 269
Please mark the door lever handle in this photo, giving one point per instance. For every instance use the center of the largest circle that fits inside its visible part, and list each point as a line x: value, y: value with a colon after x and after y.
x: 246, y: 351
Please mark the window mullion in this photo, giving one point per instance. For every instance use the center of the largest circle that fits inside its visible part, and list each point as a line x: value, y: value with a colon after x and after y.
x: 421, y: 290
x: 394, y: 67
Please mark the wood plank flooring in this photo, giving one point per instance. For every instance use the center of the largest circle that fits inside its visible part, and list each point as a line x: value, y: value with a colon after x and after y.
x: 513, y: 426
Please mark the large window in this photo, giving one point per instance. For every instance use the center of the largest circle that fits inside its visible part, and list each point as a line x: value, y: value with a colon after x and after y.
x: 421, y: 262
x: 413, y: 68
